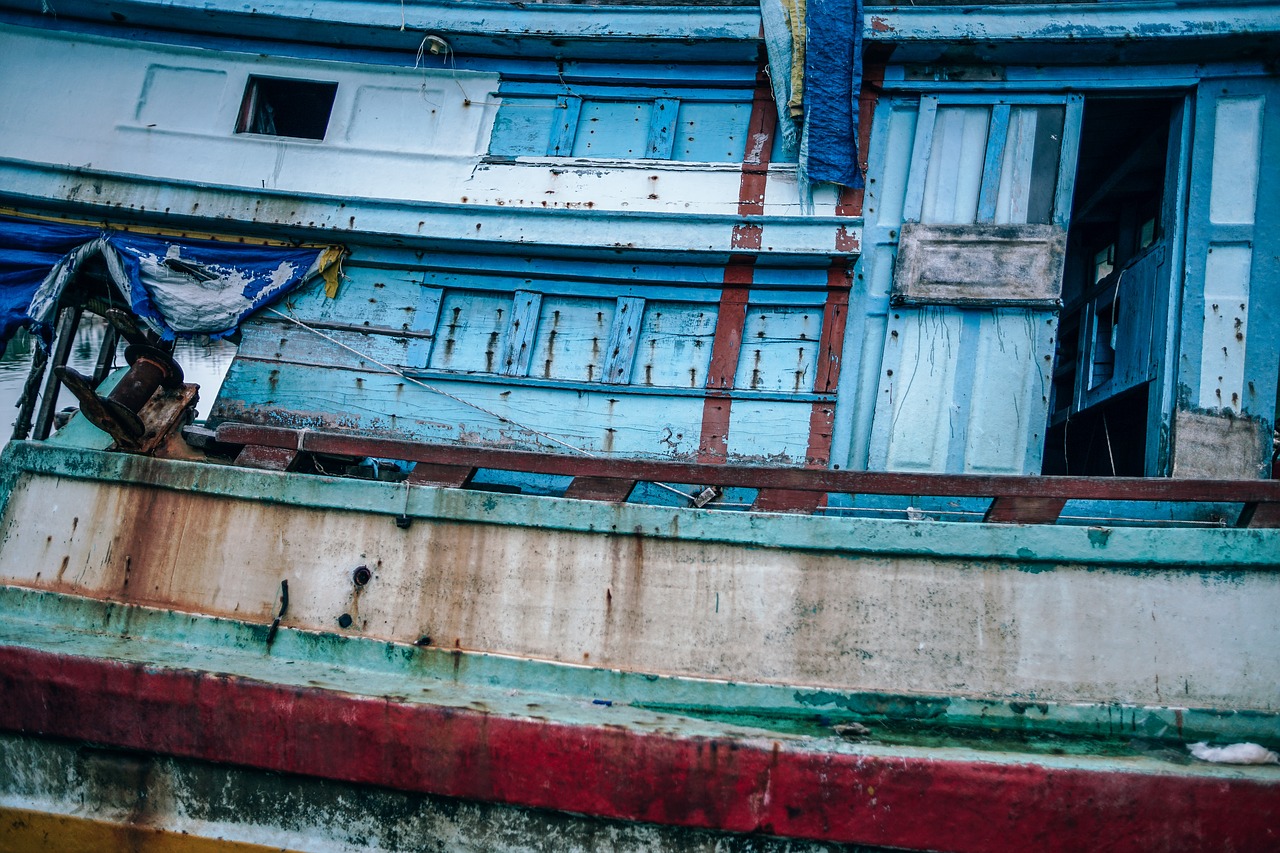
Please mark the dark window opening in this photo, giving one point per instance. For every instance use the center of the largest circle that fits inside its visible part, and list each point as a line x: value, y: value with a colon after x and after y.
x: 295, y: 108
x: 1099, y: 420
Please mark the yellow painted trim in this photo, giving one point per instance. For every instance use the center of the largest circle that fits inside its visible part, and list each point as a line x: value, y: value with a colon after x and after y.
x: 25, y: 831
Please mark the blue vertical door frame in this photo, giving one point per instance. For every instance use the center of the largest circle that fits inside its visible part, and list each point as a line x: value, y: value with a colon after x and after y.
x: 1261, y: 361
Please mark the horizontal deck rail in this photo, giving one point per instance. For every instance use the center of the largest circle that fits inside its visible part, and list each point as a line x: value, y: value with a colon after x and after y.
x: 1015, y: 499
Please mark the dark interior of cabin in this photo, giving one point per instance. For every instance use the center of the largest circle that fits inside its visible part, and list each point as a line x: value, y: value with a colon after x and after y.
x: 1098, y: 422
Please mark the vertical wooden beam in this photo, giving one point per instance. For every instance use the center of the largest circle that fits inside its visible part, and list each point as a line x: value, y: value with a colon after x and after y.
x: 835, y: 313
x: 738, y: 274
x: 624, y: 333
x: 730, y: 320
x: 662, y: 129
x: 565, y: 130
x: 517, y: 348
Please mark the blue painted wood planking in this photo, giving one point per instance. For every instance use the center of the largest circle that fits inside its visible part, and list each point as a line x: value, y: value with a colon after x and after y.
x: 564, y: 126
x: 624, y: 333
x: 469, y: 333
x: 613, y: 129
x: 523, y: 127
x: 424, y: 321
x: 571, y: 340
x: 517, y: 339
x: 674, y: 347
x: 996, y: 139
x: 711, y: 132
x: 662, y: 128
x: 779, y: 349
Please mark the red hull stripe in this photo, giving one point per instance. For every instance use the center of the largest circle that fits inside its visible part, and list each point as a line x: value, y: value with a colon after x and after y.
x: 714, y: 783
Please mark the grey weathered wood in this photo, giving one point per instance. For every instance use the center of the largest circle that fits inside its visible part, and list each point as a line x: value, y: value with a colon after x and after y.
x: 979, y: 265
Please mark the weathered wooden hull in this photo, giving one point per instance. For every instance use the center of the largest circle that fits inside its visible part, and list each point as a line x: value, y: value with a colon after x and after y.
x: 680, y: 668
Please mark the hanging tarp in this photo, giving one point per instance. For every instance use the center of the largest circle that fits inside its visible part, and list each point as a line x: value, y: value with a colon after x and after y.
x: 817, y: 79
x: 28, y: 251
x: 174, y: 286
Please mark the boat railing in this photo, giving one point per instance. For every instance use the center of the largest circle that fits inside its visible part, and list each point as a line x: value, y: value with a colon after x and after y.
x: 1013, y: 499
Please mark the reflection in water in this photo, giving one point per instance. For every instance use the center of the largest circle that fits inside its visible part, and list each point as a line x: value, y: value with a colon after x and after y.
x: 205, y: 365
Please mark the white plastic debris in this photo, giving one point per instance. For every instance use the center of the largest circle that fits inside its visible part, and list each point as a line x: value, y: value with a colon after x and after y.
x: 1236, y: 753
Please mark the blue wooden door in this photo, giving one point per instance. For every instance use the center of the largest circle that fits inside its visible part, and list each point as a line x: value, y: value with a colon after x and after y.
x: 963, y: 255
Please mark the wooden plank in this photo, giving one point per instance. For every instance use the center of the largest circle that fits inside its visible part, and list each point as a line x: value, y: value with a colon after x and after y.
x: 913, y: 204
x: 997, y: 136
x: 600, y: 489
x: 662, y: 128
x: 1024, y: 510
x: 787, y: 500
x: 763, y: 477
x: 425, y: 317
x: 624, y: 333
x: 433, y: 474
x: 517, y: 346
x: 563, y: 131
x: 267, y: 458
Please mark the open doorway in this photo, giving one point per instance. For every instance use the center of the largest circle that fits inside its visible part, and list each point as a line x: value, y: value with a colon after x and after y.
x: 1118, y: 273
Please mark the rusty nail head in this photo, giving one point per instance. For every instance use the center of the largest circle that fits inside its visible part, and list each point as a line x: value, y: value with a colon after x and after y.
x: 361, y: 575
x: 345, y: 620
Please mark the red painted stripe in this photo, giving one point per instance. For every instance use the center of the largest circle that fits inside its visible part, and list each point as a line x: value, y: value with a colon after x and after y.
x: 717, y: 407
x: 830, y: 347
x: 609, y: 771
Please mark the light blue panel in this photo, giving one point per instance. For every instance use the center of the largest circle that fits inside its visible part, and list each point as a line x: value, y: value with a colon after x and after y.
x: 953, y: 178
x: 424, y: 321
x: 674, y: 349
x: 286, y: 342
x: 517, y: 340
x: 624, y: 333
x: 996, y: 140
x: 169, y: 92
x: 469, y: 333
x: 662, y: 128
x: 892, y: 141
x: 564, y: 126
x: 768, y: 432
x: 1127, y: 309
x: 1067, y: 157
x: 1230, y: 349
x: 377, y: 298
x: 321, y: 397
x: 571, y: 339
x: 712, y: 132
x: 522, y: 127
x: 912, y: 429
x: 613, y: 129
x: 921, y: 148
x: 779, y: 349
x: 1008, y: 394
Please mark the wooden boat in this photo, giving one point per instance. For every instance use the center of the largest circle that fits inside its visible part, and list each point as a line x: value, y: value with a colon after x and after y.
x: 641, y: 436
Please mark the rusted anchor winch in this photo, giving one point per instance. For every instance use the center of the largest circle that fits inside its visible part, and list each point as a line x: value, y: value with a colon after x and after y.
x: 120, y: 413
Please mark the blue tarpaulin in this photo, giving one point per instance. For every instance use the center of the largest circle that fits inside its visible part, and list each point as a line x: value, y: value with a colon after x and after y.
x: 175, y: 287
x: 815, y: 63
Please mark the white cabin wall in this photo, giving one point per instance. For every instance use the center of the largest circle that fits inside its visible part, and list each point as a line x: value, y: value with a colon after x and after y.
x: 402, y: 133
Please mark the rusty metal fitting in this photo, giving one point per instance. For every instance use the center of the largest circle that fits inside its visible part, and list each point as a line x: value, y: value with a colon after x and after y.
x: 117, y: 413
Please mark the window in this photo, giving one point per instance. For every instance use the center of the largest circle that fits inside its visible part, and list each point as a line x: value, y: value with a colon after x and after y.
x: 277, y: 107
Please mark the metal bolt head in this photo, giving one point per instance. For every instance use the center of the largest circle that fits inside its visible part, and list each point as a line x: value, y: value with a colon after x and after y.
x: 361, y: 576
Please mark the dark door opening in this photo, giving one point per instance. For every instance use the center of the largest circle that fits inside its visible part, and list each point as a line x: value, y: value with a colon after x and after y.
x: 1117, y: 274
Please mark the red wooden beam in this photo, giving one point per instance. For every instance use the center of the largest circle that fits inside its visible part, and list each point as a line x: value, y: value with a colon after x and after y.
x: 777, y: 787
x: 1262, y: 492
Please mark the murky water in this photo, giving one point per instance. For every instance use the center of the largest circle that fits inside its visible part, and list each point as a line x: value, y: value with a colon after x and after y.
x: 204, y: 365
